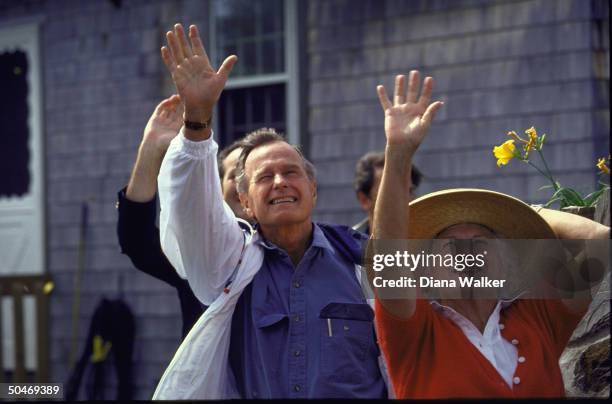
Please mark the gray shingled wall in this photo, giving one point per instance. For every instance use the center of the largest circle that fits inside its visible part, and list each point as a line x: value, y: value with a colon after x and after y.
x: 102, y: 77
x: 498, y: 65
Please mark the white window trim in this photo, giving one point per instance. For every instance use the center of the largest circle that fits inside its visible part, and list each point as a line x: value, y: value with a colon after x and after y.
x: 24, y: 34
x: 290, y: 77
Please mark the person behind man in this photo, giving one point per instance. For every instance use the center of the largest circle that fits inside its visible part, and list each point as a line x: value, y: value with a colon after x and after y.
x: 368, y: 172
x: 287, y: 316
x: 505, y: 348
x: 136, y: 204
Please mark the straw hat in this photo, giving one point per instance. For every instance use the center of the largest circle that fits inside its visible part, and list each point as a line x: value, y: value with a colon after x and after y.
x: 506, y: 215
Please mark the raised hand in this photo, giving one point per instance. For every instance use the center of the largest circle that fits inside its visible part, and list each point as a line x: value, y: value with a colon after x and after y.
x: 164, y: 124
x: 406, y: 119
x: 197, y: 83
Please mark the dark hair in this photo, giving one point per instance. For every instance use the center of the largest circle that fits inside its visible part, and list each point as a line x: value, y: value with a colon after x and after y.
x: 223, y: 155
x: 258, y: 138
x: 366, y: 167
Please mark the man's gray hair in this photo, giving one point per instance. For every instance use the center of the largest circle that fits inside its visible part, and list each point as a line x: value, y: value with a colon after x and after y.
x: 258, y: 138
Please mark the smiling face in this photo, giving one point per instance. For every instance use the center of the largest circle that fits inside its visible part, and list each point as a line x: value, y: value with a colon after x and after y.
x: 279, y: 191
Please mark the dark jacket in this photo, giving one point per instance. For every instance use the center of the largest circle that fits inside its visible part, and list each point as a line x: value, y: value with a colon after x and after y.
x: 139, y: 240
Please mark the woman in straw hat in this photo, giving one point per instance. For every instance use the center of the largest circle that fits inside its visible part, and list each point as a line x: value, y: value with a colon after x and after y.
x: 465, y: 347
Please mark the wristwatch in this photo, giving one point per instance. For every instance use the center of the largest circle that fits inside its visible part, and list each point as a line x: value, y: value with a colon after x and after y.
x: 198, y: 125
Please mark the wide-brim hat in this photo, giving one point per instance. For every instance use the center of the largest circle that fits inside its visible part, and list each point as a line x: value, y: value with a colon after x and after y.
x: 510, y: 217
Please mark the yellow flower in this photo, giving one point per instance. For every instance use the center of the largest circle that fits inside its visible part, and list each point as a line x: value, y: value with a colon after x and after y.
x: 533, y: 140
x: 516, y: 137
x: 601, y: 164
x: 504, y: 152
x: 529, y: 143
x: 531, y: 132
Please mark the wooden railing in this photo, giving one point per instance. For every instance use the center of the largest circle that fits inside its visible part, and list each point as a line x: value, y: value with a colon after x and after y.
x: 16, y: 288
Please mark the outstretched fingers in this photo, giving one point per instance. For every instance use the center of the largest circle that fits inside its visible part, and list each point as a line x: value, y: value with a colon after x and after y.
x: 168, y: 59
x: 196, y: 43
x: 226, y: 66
x: 426, y: 93
x: 413, y: 86
x: 399, y: 96
x: 385, y: 103
x: 182, y: 40
x: 430, y: 112
x: 175, y: 47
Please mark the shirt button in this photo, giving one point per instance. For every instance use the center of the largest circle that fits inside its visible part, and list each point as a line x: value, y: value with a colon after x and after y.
x: 296, y: 285
x: 297, y: 353
x: 296, y: 318
x: 501, y: 326
x: 297, y: 387
x: 521, y: 359
x: 514, y: 341
x: 516, y: 380
x: 346, y: 328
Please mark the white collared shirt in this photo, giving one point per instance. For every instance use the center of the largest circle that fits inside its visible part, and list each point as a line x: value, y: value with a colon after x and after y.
x: 491, y: 344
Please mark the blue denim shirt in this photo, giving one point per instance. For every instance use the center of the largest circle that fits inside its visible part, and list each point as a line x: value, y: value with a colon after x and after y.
x: 306, y: 331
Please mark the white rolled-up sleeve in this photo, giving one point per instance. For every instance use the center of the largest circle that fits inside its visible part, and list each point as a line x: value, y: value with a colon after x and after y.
x: 198, y: 231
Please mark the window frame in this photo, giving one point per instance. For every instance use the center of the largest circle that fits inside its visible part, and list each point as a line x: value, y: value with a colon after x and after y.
x: 290, y: 77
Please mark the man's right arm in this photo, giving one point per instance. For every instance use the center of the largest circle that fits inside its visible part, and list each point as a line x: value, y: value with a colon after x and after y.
x: 198, y: 231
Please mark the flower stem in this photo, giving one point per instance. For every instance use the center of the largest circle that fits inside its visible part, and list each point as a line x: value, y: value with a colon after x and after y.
x: 549, y: 175
x: 541, y: 172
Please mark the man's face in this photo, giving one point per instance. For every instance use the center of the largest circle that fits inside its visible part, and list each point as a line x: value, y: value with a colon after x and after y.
x: 368, y: 202
x: 228, y: 184
x: 279, y: 191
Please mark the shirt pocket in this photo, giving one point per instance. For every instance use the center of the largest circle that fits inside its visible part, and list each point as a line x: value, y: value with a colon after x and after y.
x: 268, y: 320
x: 347, y: 341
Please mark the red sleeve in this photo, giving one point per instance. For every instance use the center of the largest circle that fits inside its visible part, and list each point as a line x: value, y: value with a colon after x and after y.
x: 403, y: 340
x: 555, y: 318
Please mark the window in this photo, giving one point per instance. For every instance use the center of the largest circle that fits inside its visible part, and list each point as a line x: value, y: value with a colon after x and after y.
x: 14, y: 151
x: 262, y: 89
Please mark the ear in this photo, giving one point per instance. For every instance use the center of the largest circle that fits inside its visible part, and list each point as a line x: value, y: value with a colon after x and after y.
x: 244, y: 201
x: 364, y: 201
x: 313, y: 191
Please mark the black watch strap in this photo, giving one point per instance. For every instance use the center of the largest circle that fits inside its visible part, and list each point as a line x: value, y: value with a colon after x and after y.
x: 198, y: 125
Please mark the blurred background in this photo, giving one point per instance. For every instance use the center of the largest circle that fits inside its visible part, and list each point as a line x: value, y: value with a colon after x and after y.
x: 79, y: 80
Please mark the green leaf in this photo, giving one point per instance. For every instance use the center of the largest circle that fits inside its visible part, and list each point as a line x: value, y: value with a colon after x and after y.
x: 574, y: 196
x: 545, y: 187
x: 568, y: 197
x: 541, y: 142
x: 592, y: 198
x: 549, y: 203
